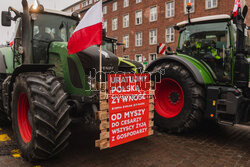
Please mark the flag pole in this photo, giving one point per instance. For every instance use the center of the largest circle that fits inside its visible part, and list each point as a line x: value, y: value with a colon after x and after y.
x: 100, y: 67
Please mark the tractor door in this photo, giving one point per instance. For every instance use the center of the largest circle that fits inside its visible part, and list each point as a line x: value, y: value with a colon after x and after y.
x: 17, y: 44
x: 210, y: 44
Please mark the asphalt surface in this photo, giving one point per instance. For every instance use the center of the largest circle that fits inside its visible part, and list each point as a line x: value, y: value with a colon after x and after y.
x: 210, y: 145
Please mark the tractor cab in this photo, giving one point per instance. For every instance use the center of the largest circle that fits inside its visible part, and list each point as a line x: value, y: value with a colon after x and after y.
x: 210, y: 40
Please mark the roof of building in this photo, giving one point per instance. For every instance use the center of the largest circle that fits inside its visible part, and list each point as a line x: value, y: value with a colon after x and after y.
x: 72, y: 5
x: 58, y: 12
x: 206, y: 18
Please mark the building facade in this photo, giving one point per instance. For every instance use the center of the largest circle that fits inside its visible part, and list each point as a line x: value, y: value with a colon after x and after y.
x: 142, y: 24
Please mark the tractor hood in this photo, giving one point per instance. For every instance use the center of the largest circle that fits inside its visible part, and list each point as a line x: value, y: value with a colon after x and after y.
x: 90, y: 60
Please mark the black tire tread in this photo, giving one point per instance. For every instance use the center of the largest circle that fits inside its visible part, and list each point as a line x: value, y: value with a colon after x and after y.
x: 51, y: 114
x: 198, y: 98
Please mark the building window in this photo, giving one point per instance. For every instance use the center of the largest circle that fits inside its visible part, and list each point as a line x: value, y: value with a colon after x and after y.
x: 211, y: 4
x: 114, y: 23
x: 138, y: 1
x: 90, y: 2
x: 170, y: 9
x: 105, y: 26
x: 77, y: 7
x: 104, y: 10
x: 169, y: 34
x: 138, y: 17
x: 138, y: 57
x: 126, y: 21
x: 84, y: 4
x: 185, y: 5
x: 126, y: 56
x: 153, y: 37
x: 115, y: 6
x: 125, y: 3
x: 152, y: 57
x: 138, y: 39
x: 153, y: 14
x: 126, y: 41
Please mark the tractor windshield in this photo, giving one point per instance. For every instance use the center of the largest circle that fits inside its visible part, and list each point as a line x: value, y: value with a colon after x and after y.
x: 49, y: 27
x: 211, y: 44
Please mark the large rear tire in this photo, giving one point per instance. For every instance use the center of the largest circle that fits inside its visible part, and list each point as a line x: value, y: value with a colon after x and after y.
x: 179, y: 100
x: 40, y: 115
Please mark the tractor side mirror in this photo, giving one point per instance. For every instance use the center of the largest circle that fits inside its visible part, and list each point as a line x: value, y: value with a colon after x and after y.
x: 6, y: 19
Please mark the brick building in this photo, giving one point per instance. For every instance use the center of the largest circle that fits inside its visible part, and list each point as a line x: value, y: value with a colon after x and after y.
x: 142, y: 24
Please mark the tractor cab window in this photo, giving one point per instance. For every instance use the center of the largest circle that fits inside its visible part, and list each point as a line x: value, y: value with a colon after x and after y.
x: 48, y: 28
x: 211, y: 44
x: 109, y: 46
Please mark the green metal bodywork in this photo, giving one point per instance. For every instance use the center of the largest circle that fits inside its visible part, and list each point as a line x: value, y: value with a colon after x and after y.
x: 58, y: 56
x: 8, y: 57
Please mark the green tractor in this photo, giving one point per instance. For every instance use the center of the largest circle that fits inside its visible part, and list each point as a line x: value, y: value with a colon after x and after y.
x: 207, y: 78
x: 42, y: 87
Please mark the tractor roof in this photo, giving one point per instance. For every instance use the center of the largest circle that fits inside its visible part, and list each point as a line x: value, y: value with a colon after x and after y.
x: 213, y: 18
x: 58, y: 12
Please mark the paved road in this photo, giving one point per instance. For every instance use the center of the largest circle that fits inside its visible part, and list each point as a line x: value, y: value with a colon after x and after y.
x: 209, y: 146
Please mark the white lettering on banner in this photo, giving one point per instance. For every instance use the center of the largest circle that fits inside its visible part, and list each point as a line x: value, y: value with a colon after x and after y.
x: 128, y: 98
x: 122, y: 89
x: 132, y: 133
x: 127, y: 79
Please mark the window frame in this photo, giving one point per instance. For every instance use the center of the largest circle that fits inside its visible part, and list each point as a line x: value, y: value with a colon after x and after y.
x: 137, y: 55
x: 114, y: 6
x: 106, y: 21
x: 138, y: 1
x: 125, y: 4
x: 123, y: 25
x: 113, y: 23
x: 127, y: 41
x: 150, y: 36
x: 151, y: 13
x: 136, y: 17
x: 170, y: 35
x: 104, y: 11
x: 136, y: 39
x: 212, y: 7
x: 173, y: 1
x: 149, y: 57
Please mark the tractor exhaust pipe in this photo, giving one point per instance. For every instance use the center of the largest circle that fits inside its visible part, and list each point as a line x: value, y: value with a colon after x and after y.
x: 26, y: 36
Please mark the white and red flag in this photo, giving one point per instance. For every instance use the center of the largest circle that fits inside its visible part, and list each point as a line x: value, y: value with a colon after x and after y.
x: 89, y: 30
x: 238, y: 4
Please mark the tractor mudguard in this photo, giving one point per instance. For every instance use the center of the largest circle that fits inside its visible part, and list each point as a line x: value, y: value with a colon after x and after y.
x: 191, y: 68
x: 30, y: 68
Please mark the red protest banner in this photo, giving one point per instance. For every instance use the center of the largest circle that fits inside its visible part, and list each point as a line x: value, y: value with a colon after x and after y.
x: 128, y: 107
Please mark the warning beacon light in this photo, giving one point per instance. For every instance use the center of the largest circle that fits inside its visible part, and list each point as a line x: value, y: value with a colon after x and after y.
x: 189, y: 6
x: 36, y: 7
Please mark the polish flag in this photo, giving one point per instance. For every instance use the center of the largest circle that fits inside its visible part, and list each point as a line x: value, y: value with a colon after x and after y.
x: 237, y: 5
x: 89, y: 30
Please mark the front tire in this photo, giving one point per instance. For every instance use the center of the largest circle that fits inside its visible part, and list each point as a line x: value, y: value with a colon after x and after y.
x: 179, y: 100
x: 40, y: 115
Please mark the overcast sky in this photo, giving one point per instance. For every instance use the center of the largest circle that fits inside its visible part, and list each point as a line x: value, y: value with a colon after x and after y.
x: 6, y: 32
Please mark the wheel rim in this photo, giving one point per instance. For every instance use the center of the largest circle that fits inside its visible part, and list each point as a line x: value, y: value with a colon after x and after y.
x: 23, y: 118
x: 169, y: 98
